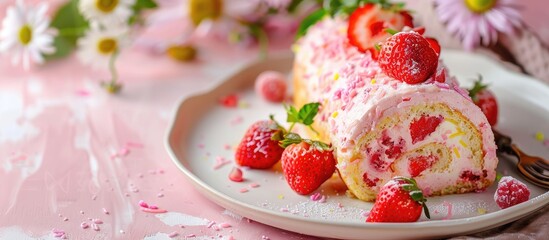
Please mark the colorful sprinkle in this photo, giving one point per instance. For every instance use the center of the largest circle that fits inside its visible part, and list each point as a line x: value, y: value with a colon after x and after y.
x: 373, y: 81
x: 151, y: 210
x: 225, y: 225
x: 280, y: 196
x: 481, y: 211
x: 84, y: 225
x: 456, y: 151
x: 462, y: 143
x: 254, y: 185
x: 315, y: 197
x: 243, y: 190
x: 220, y: 162
x: 173, y: 234
x: 334, y: 114
x: 336, y: 76
x: 105, y: 211
x: 540, y: 136
x: 456, y: 134
x: 449, y: 206
x: 236, y: 175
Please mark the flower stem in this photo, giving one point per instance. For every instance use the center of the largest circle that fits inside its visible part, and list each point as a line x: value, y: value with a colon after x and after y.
x: 263, y: 43
x: 113, y: 86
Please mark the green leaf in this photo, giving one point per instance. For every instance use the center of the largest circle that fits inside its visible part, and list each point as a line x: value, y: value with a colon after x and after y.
x: 292, y: 114
x: 71, y: 25
x: 310, y: 21
x: 391, y: 31
x: 498, y: 176
x: 138, y: 7
x: 308, y: 112
x: 289, y: 139
x: 145, y: 4
x: 477, y: 87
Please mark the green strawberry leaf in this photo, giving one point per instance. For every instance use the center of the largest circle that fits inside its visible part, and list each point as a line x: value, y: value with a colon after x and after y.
x: 289, y: 139
x: 477, y: 87
x: 292, y: 114
x: 391, y: 31
x: 309, y: 21
x: 308, y: 112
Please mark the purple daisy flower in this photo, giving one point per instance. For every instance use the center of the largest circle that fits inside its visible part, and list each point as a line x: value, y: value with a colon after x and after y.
x: 477, y: 22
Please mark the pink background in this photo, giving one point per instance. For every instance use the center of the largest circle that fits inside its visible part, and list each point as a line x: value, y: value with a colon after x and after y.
x: 59, y: 131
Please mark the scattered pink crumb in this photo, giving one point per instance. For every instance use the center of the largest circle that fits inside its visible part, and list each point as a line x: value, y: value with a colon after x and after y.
x: 98, y: 221
x: 153, y: 207
x: 81, y: 212
x: 60, y: 215
x: 105, y: 211
x: 236, y: 175
x: 449, y: 206
x: 254, y: 185
x: 237, y: 120
x: 201, y: 145
x: 94, y: 197
x: 243, y: 190
x: 84, y: 225
x: 322, y: 199
x: 190, y: 235
x: 58, y: 233
x: 82, y: 92
x: 130, y: 144
x: 173, y: 234
x: 315, y: 197
x: 229, y: 101
x: 123, y: 152
x: 122, y: 231
x: 436, y: 211
x: 340, y: 205
x: 210, y: 224
x: 284, y: 210
x: 225, y: 225
x: 150, y: 210
x: 220, y: 162
x: 66, y: 219
x: 227, y: 147
x: 161, y: 171
x: 95, y: 227
x: 143, y: 204
x: 160, y: 195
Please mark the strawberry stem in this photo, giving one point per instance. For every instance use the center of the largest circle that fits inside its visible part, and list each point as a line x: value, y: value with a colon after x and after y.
x: 477, y: 87
x: 415, y: 193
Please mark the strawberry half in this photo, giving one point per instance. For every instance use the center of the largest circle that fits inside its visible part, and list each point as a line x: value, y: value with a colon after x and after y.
x: 485, y: 100
x: 257, y: 148
x: 399, y: 200
x: 367, y: 25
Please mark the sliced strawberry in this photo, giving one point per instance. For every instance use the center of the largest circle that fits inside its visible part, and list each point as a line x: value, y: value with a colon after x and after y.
x: 421, y: 163
x: 367, y: 25
x: 423, y: 127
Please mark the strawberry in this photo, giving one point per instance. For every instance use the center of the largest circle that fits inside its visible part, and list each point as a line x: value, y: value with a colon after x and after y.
x: 485, y: 100
x: 257, y: 148
x: 368, y: 25
x: 306, y: 164
x: 409, y: 57
x: 420, y: 163
x: 423, y: 127
x: 511, y: 192
x: 399, y: 200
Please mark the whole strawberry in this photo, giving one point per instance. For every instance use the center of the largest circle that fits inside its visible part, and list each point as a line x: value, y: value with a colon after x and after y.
x: 368, y: 25
x: 399, y: 200
x: 257, y: 148
x: 511, y: 192
x: 485, y: 100
x: 306, y: 164
x: 408, y: 57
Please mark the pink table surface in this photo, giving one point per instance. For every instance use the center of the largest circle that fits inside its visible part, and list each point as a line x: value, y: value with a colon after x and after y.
x: 59, y: 132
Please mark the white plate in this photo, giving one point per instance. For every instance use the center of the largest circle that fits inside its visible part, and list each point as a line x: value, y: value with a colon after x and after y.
x: 203, y: 128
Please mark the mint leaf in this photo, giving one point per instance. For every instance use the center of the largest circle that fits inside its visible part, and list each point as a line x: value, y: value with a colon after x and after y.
x: 308, y: 112
x: 310, y: 21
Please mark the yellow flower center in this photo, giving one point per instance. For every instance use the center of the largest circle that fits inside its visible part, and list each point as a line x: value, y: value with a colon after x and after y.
x: 183, y: 53
x: 204, y: 9
x: 107, y: 46
x: 480, y: 6
x: 106, y: 6
x: 25, y: 34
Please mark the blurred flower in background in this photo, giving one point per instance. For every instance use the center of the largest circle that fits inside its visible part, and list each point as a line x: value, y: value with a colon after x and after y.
x: 107, y: 11
x: 478, y: 21
x: 100, y: 44
x: 25, y: 34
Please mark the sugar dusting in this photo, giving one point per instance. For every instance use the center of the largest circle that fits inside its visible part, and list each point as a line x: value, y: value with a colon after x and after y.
x: 177, y: 219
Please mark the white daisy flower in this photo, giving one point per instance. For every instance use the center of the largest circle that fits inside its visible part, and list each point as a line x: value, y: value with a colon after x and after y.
x: 98, y: 45
x: 107, y: 12
x: 25, y: 34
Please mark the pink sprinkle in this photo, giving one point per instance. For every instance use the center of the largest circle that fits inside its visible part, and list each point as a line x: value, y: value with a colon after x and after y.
x: 66, y: 219
x: 210, y: 224
x: 284, y: 210
x: 227, y: 147
x: 81, y: 212
x: 220, y: 162
x: 160, y: 195
x: 243, y: 190
x: 546, y: 143
x: 225, y: 225
x: 150, y: 210
x: 161, y: 171
x: 449, y: 206
x: 190, y: 235
x: 315, y: 197
x: 94, y: 197
x: 123, y: 152
x: 95, y: 227
x: 265, y: 237
x: 82, y: 92
x: 201, y: 145
x: 236, y: 175
x: 365, y: 213
x: 153, y: 207
x: 340, y: 205
x: 254, y: 185
x: 60, y: 215
x: 105, y: 211
x: 173, y: 234
x: 134, y: 145
x: 322, y: 199
x: 97, y: 221
x: 143, y: 204
x: 84, y: 225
